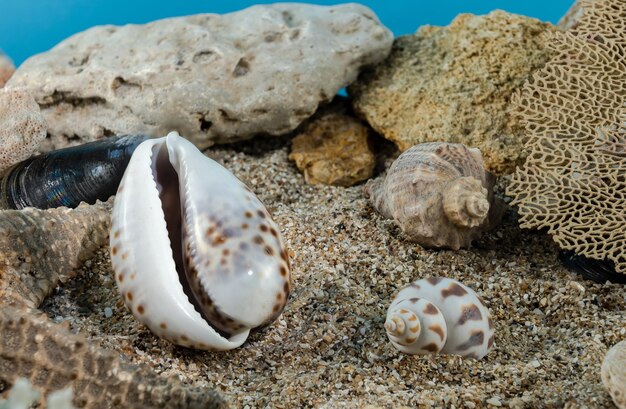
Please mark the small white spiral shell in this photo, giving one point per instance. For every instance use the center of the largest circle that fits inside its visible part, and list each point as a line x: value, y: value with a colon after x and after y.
x: 440, y: 315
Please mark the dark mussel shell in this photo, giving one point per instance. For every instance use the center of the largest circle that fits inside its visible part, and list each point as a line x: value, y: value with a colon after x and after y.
x: 599, y: 271
x: 66, y: 177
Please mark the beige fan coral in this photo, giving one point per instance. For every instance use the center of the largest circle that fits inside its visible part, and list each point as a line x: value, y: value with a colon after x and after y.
x: 574, y: 180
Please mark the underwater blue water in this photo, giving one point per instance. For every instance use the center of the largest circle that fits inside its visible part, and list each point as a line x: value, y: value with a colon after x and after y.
x: 32, y: 26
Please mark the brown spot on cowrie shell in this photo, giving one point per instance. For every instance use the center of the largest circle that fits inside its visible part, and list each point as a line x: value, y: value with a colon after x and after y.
x: 140, y: 309
x: 125, y: 256
x: 454, y: 289
x: 114, y: 250
x: 245, y: 225
x: 260, y: 214
x: 219, y: 240
x: 279, y: 296
x: 263, y: 228
x: 129, y: 295
x: 283, y: 271
x: 163, y: 325
x: 415, y: 286
x: 414, y: 300
x: 225, y: 252
x: 477, y: 338
x: 276, y: 308
x: 116, y: 234
x: 269, y: 251
x: 120, y: 277
x: 210, y: 231
x: 273, y: 232
x: 434, y: 280
x: 258, y: 240
x: 470, y: 312
x: 286, y: 288
x: 438, y: 330
x: 490, y: 342
x: 431, y: 309
x: 432, y: 347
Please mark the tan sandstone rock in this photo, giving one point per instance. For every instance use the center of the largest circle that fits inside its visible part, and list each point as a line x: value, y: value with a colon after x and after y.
x: 333, y: 149
x: 6, y: 69
x: 454, y: 84
x: 213, y: 78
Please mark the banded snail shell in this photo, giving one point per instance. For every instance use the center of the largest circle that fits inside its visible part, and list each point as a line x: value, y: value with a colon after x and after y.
x: 439, y: 194
x: 440, y: 315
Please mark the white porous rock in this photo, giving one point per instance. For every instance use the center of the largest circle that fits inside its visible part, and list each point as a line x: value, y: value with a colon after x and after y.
x: 214, y: 78
x: 22, y: 127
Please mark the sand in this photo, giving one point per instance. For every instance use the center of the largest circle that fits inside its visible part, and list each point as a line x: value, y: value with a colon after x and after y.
x: 329, y: 348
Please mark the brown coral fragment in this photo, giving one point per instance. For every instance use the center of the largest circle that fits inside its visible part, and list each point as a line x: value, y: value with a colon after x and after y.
x: 454, y: 84
x: 334, y: 150
x: 574, y: 180
x: 40, y: 249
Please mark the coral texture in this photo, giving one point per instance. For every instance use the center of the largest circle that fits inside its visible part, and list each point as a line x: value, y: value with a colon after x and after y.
x: 439, y: 194
x: 614, y: 373
x: 213, y: 78
x: 454, y: 84
x: 333, y: 150
x: 22, y: 127
x: 6, y: 69
x: 574, y: 180
x: 40, y: 249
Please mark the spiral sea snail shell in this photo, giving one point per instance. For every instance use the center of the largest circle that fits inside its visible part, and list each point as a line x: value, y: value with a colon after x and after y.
x: 440, y: 315
x: 439, y: 194
x: 197, y: 257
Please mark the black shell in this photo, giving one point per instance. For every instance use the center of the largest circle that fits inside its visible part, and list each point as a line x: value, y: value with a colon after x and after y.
x: 66, y: 177
x: 596, y: 270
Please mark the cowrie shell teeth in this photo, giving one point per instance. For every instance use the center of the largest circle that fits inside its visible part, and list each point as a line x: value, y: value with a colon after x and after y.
x: 213, y: 269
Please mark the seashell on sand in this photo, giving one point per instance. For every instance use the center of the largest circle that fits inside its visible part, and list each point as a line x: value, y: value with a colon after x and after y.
x: 613, y: 373
x: 197, y: 257
x: 439, y: 194
x: 440, y: 315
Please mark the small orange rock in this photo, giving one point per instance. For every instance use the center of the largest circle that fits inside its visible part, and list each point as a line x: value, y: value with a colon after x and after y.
x: 334, y: 150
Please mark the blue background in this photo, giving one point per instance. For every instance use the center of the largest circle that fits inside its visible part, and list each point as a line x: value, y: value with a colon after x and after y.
x: 29, y: 27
